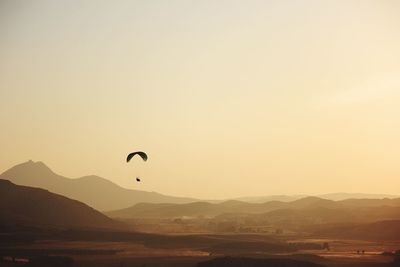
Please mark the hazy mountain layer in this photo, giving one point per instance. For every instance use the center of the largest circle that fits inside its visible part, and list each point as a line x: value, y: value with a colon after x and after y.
x: 332, y: 196
x: 95, y: 191
x: 298, y: 210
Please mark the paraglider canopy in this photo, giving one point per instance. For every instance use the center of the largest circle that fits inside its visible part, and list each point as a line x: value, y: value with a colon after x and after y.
x: 140, y: 153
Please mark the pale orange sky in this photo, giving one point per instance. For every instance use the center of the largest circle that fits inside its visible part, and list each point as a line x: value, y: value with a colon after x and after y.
x: 229, y: 98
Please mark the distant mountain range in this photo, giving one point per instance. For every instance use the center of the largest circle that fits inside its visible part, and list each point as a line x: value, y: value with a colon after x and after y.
x: 310, y: 207
x: 95, y: 191
x: 92, y: 189
x: 331, y: 196
x: 22, y: 205
x: 263, y: 199
x: 343, y: 196
x: 309, y: 218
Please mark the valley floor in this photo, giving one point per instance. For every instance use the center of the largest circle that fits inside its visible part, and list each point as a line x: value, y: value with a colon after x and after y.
x: 132, y: 254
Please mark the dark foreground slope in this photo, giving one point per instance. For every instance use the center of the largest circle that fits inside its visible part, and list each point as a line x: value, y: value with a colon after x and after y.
x: 22, y: 205
x: 88, y: 189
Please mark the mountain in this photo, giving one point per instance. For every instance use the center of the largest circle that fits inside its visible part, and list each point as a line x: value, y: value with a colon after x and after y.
x: 22, y: 205
x: 262, y: 199
x: 391, y: 202
x: 205, y: 209
x: 343, y: 196
x: 88, y: 189
x: 194, y: 209
x: 311, y: 209
x: 92, y: 189
x: 331, y: 196
x: 166, y: 210
x: 310, y: 217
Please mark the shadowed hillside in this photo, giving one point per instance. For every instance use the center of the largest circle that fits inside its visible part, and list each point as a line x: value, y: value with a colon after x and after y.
x: 88, y: 189
x: 33, y: 206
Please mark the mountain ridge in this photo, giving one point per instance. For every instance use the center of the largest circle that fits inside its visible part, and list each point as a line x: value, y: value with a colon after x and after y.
x: 331, y: 196
x: 89, y: 189
x: 210, y: 210
x: 38, y: 207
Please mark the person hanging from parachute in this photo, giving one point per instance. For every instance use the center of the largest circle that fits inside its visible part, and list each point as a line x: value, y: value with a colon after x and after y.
x: 140, y: 154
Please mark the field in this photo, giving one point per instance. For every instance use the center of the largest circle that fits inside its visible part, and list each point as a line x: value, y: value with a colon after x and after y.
x: 188, y: 250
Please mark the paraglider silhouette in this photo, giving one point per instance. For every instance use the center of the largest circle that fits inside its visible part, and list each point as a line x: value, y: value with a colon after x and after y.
x: 140, y: 153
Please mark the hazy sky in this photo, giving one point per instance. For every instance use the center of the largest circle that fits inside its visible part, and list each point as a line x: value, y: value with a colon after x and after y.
x: 229, y: 98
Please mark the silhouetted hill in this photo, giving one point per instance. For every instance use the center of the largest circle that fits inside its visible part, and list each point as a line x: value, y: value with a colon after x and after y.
x: 325, y: 215
x: 37, y: 207
x: 195, y: 209
x: 392, y: 202
x: 88, y: 189
x: 166, y: 210
x: 331, y: 196
x: 263, y: 199
x: 255, y: 262
x: 305, y: 210
x: 313, y: 202
x: 343, y: 196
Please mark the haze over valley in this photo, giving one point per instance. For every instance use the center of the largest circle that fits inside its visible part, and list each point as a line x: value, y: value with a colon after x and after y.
x: 212, y: 133
x: 173, y: 226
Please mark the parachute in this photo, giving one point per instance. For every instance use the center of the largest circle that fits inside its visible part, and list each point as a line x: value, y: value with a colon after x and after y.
x: 140, y: 153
